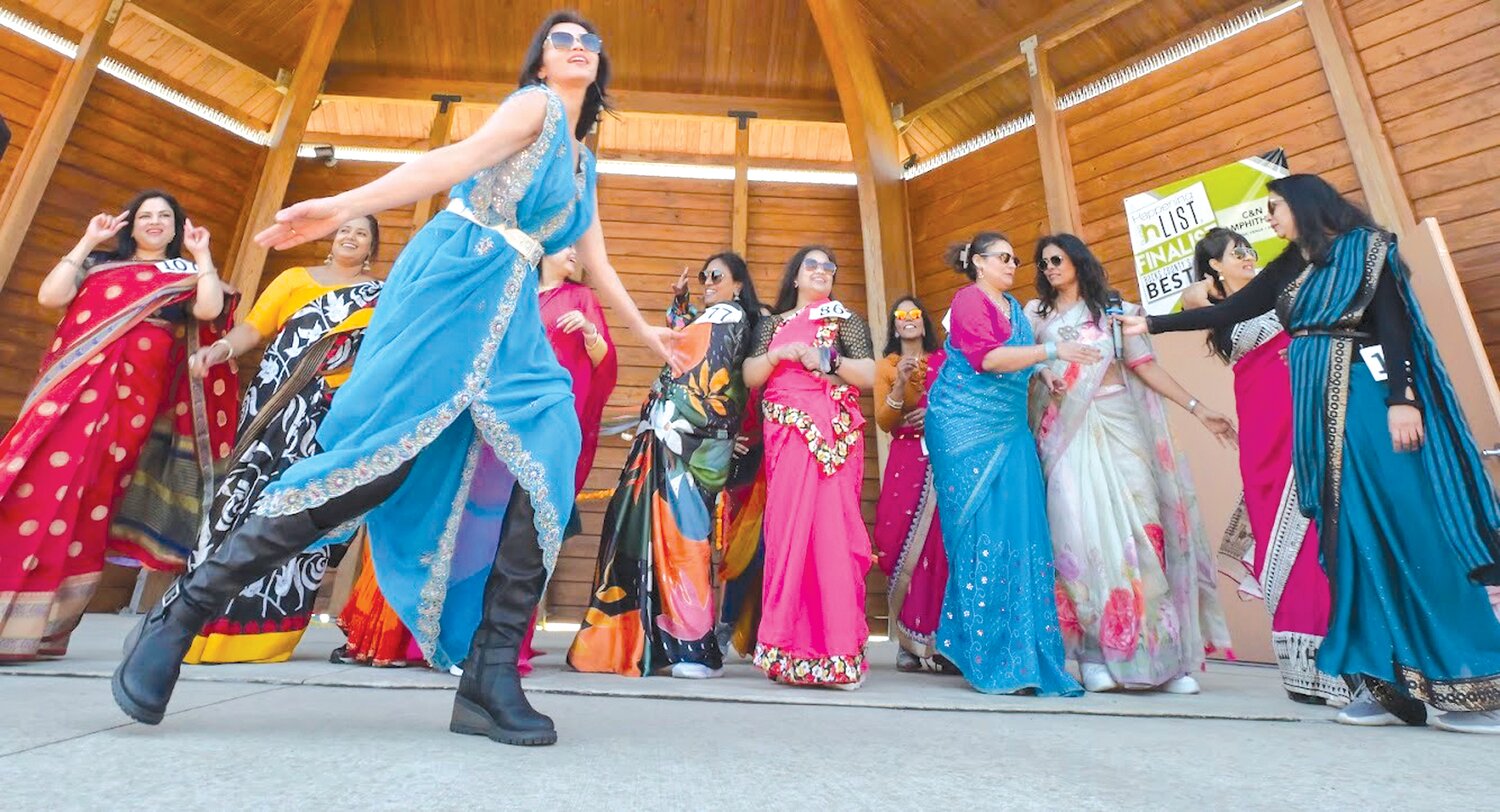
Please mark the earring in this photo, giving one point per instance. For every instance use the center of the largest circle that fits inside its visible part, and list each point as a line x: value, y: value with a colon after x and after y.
x: 328, y: 260
x: 367, y: 265
x: 795, y: 284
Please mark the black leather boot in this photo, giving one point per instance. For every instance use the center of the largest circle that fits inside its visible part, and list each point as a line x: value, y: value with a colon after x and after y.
x: 490, y: 701
x: 144, y: 680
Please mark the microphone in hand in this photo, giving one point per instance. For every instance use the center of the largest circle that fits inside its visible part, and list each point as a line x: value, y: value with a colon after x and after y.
x: 1116, y: 307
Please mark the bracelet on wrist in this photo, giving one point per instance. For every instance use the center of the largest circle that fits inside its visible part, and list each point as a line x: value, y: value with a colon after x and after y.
x: 1051, y: 348
x: 1192, y: 406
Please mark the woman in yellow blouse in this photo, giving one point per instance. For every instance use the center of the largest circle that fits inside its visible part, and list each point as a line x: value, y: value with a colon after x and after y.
x: 314, y: 319
x: 908, y: 536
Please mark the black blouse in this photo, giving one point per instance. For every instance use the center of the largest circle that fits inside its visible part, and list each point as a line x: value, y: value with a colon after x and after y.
x: 1385, y: 321
x: 853, y: 341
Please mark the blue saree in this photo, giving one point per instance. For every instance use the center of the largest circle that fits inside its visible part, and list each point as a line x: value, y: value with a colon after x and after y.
x: 1407, y: 538
x: 999, y: 622
x: 456, y: 376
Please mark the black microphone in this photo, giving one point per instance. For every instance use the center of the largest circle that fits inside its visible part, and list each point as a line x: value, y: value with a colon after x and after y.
x: 1116, y: 307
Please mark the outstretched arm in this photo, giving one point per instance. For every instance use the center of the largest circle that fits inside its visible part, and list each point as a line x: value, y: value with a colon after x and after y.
x: 511, y: 129
x: 606, y: 282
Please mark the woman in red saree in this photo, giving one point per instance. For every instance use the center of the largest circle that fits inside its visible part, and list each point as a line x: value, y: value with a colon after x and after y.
x: 114, y: 446
x: 813, y: 357
x: 908, y: 535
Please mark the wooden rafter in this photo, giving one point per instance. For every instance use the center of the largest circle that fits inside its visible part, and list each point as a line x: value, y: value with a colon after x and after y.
x: 23, y: 194
x: 184, y: 20
x: 1063, y: 23
x: 420, y: 90
x: 249, y: 258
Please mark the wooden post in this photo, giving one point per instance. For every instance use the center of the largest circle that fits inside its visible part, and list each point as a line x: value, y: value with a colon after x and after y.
x: 877, y: 155
x: 439, y: 136
x: 23, y: 194
x: 740, y: 209
x: 1052, y: 143
x: 249, y: 259
x: 1374, y: 161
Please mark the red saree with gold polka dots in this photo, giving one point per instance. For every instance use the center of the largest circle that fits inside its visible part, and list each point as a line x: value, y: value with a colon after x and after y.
x: 113, y: 384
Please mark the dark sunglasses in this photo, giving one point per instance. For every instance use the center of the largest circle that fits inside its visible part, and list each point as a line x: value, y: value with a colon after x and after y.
x: 810, y: 264
x: 565, y: 40
x: 1055, y: 261
x: 1271, y: 206
x: 1244, y: 252
x: 1005, y: 257
x: 715, y: 276
x: 907, y: 315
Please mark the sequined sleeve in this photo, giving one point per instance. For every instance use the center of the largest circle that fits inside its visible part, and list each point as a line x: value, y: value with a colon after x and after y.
x: 854, y: 339
x: 764, y: 332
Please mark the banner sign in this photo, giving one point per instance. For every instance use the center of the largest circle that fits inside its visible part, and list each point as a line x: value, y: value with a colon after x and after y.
x: 1167, y: 222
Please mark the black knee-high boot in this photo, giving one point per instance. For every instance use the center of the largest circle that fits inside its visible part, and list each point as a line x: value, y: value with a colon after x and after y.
x: 144, y: 680
x: 490, y: 701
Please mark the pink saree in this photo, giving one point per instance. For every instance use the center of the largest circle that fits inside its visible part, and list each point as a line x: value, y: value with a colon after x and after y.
x: 908, y: 534
x: 1275, y: 546
x: 812, y: 628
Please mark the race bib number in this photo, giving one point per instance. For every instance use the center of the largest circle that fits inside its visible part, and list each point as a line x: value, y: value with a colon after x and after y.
x: 722, y: 314
x: 177, y: 266
x: 1374, y: 356
x: 831, y: 310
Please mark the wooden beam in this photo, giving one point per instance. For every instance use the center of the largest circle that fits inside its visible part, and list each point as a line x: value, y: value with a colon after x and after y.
x: 193, y: 25
x: 1063, y: 23
x: 739, y: 228
x: 366, y: 87
x: 1374, y: 161
x: 699, y: 159
x: 28, y: 182
x: 249, y: 259
x: 439, y: 135
x: 1052, y: 143
x: 877, y: 155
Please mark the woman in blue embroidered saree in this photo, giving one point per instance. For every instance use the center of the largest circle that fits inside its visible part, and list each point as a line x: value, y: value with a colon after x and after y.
x: 999, y: 620
x: 456, y: 432
x: 1385, y: 464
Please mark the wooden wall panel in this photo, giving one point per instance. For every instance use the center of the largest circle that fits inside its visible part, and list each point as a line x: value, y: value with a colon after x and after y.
x: 1434, y: 68
x: 27, y: 71
x: 124, y: 141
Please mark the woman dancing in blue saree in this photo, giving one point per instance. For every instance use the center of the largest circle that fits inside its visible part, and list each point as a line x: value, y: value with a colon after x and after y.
x: 999, y: 621
x: 1407, y: 515
x: 456, y: 395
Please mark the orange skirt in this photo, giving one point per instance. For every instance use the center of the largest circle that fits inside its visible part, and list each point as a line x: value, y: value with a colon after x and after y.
x: 376, y: 634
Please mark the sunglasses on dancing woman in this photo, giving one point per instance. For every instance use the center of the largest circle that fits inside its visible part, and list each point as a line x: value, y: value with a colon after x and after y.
x: 909, y: 314
x: 713, y: 276
x: 564, y: 41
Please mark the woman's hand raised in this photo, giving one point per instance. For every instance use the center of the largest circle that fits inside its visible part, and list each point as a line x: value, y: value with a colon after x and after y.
x: 304, y: 222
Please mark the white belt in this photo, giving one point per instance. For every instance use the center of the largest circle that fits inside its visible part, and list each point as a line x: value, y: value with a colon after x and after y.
x: 525, y: 244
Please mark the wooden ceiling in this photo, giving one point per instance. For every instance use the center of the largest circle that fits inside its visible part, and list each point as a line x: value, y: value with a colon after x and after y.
x: 954, y: 66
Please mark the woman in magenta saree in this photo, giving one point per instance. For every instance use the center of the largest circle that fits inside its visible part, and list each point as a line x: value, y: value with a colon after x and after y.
x: 908, y: 534
x: 1272, y: 547
x: 813, y: 357
x: 115, y: 444
x: 576, y: 329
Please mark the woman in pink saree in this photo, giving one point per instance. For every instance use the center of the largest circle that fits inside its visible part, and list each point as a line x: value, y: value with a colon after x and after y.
x: 813, y: 356
x: 1271, y: 547
x: 908, y: 536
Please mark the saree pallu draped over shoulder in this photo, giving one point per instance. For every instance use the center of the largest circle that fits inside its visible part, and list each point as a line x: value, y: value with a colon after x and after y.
x: 1410, y: 612
x: 113, y: 450
x: 279, y: 419
x: 457, y: 379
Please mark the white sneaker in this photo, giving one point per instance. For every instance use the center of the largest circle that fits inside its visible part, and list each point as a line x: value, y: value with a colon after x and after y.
x: 1364, y: 711
x: 695, y: 671
x: 1096, y: 678
x: 847, y: 686
x: 455, y: 670
x: 1469, y: 721
x: 1184, y: 684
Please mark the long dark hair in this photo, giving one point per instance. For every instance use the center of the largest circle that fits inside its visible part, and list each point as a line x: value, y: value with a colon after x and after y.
x: 125, y: 246
x: 596, y: 100
x: 739, y: 271
x: 1213, y: 245
x: 929, y: 333
x: 786, y: 296
x: 960, y: 256
x: 1093, y: 284
x: 1320, y: 212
